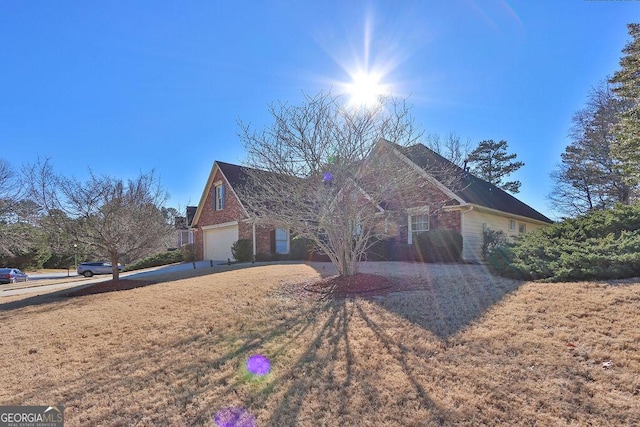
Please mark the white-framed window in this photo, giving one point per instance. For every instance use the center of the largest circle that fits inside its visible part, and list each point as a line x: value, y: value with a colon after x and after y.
x: 418, y: 222
x: 282, y: 241
x: 522, y: 227
x: 218, y: 197
x: 512, y: 224
x: 185, y: 238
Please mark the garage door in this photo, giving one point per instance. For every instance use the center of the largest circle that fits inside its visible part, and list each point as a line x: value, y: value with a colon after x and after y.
x: 218, y: 241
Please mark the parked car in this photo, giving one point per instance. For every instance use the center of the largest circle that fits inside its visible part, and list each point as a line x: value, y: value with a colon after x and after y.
x: 12, y: 275
x: 88, y: 269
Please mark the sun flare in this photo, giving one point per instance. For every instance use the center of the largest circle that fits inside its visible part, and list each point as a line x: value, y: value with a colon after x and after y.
x: 365, y: 90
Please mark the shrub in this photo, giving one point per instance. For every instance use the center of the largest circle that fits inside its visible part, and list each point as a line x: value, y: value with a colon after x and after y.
x: 390, y: 249
x: 491, y: 240
x: 188, y: 252
x: 242, y: 250
x: 301, y: 249
x: 163, y: 258
x: 438, y: 246
x: 380, y: 250
x: 598, y: 246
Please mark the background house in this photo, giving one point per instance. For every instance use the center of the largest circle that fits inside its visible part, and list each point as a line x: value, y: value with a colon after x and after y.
x: 183, y: 234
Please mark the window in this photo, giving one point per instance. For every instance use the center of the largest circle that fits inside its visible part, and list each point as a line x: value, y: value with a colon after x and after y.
x: 522, y: 228
x: 218, y: 197
x: 185, y: 238
x: 282, y: 241
x: 512, y: 225
x: 418, y: 224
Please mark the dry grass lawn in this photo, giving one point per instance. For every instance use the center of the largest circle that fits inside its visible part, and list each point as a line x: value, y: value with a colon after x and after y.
x: 455, y: 346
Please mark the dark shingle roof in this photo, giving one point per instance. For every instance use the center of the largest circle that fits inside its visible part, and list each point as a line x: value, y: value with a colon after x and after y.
x: 236, y: 175
x: 471, y: 188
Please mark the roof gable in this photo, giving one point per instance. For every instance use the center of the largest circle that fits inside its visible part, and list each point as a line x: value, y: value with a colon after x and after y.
x: 235, y: 176
x: 473, y: 190
x: 231, y: 174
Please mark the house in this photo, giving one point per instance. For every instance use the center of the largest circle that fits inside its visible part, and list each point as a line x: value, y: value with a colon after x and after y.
x: 183, y: 234
x: 221, y: 218
x: 467, y: 204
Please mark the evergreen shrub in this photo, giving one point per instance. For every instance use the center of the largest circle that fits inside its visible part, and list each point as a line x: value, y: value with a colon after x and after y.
x: 600, y: 245
x: 242, y: 250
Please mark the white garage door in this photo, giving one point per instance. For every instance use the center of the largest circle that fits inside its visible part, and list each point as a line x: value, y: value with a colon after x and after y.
x: 218, y: 241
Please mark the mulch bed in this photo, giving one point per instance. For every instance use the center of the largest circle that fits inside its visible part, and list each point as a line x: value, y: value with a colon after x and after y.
x: 350, y: 286
x: 110, y: 286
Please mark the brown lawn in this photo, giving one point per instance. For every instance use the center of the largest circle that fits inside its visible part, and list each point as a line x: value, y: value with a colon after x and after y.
x: 446, y: 344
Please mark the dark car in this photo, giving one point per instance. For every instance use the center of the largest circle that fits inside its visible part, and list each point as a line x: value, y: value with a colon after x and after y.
x: 12, y: 275
x: 88, y: 269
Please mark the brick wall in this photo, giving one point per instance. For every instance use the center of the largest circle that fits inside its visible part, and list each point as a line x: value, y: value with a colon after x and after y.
x: 263, y: 240
x: 232, y: 211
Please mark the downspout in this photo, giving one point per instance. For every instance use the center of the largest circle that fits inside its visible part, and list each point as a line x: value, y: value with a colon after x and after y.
x: 254, y: 239
x: 462, y: 212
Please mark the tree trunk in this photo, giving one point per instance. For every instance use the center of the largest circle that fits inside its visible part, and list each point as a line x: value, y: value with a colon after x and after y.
x: 114, y: 267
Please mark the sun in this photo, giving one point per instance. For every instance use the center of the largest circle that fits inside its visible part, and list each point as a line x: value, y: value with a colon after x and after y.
x: 365, y: 90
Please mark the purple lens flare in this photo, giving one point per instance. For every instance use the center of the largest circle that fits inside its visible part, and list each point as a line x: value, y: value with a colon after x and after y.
x: 258, y: 365
x: 234, y: 417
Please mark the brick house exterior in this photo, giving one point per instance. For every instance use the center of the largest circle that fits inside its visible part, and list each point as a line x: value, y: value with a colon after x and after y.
x: 466, y: 204
x: 229, y: 215
x: 450, y: 198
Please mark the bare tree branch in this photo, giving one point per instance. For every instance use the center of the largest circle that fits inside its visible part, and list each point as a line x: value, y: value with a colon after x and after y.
x: 314, y: 171
x: 119, y: 220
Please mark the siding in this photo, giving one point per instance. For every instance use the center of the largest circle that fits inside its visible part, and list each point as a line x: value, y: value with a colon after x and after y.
x: 472, y: 228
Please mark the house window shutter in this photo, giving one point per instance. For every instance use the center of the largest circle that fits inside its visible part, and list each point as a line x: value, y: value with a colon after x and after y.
x: 272, y: 241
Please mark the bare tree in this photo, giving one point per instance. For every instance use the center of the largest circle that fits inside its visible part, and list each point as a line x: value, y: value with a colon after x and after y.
x: 328, y: 173
x: 12, y: 239
x: 116, y: 219
x: 451, y: 147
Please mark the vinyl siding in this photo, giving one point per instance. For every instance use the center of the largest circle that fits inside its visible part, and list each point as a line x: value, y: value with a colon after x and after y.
x: 472, y: 228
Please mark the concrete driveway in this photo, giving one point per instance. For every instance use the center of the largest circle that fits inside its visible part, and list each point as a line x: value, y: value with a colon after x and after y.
x: 35, y: 283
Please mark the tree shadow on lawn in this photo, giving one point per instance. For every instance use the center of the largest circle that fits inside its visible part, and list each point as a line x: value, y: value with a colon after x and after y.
x: 344, y: 361
x: 321, y: 368
x: 442, y: 298
x: 447, y: 303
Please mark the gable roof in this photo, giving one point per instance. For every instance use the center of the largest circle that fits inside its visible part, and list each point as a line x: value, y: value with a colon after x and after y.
x: 236, y: 176
x: 472, y: 190
x: 231, y: 173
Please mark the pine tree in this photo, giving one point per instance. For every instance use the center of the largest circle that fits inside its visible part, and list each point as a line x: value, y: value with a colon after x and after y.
x: 588, y: 177
x: 626, y: 81
x: 491, y: 162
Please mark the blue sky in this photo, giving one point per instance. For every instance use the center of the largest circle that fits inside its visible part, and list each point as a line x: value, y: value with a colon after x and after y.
x: 123, y: 87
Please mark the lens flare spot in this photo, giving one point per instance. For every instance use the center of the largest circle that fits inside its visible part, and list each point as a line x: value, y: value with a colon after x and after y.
x: 258, y: 365
x: 234, y: 417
